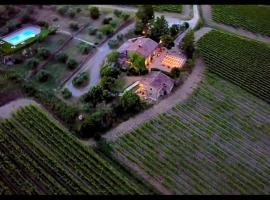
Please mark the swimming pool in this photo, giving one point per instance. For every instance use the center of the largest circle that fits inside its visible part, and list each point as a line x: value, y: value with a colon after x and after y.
x: 21, y: 35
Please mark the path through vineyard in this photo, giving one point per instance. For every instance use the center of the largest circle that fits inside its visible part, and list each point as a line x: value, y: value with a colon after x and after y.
x: 207, y: 16
x: 7, y: 109
x: 163, y: 106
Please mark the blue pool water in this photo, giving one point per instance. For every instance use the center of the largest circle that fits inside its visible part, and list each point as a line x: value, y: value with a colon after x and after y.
x: 18, y: 37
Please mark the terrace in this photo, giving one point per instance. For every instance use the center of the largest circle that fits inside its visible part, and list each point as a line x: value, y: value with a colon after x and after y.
x: 165, y: 60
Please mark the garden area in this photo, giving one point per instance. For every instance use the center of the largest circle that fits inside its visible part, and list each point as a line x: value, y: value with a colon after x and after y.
x: 254, y: 18
x: 62, y: 65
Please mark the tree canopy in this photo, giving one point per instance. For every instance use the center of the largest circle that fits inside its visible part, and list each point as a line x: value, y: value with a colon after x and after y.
x: 158, y: 27
x: 188, y: 44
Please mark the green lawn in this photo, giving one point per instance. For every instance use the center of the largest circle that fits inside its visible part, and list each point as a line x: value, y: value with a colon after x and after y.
x: 253, y: 18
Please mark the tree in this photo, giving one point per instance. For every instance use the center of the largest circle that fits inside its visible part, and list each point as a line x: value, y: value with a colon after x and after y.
x: 62, y: 57
x: 95, y: 95
x: 107, y: 29
x: 74, y: 26
x: 175, y: 72
x: 84, y: 48
x: 167, y: 41
x: 108, y: 71
x: 174, y: 30
x: 107, y: 83
x: 43, y: 53
x: 94, y: 12
x: 130, y: 102
x: 144, y: 14
x: 158, y: 27
x: 137, y: 64
x: 112, y: 57
x: 32, y: 63
x: 66, y: 93
x: 62, y: 10
x: 43, y: 76
x: 71, y: 63
x: 188, y: 44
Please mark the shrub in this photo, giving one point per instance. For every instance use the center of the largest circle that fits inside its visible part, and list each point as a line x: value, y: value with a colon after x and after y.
x: 62, y: 57
x: 113, y: 57
x: 174, y: 30
x: 175, y: 72
x: 125, y: 16
x: 78, y: 10
x: 73, y: 26
x: 80, y: 80
x: 62, y: 10
x: 117, y: 13
x: 43, y: 76
x: 130, y: 102
x: 43, y: 23
x: 32, y: 63
x: 71, y: 63
x: 66, y: 93
x: 94, y: 12
x: 43, y: 53
x: 71, y: 13
x: 113, y: 43
x: 92, y: 30
x: 99, y: 35
x: 113, y: 23
x: 107, y: 29
x: 94, y: 95
x: 107, y: 20
x: 84, y: 48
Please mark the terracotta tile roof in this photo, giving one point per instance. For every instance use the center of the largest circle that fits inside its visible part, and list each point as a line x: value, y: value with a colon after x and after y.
x: 157, y: 80
x: 144, y: 46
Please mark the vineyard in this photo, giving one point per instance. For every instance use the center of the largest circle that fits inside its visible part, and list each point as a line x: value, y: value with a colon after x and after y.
x: 253, y: 18
x: 217, y: 142
x: 244, y: 62
x: 38, y: 156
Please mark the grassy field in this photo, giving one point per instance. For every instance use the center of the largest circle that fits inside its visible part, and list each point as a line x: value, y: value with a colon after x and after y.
x: 38, y: 156
x: 217, y: 142
x: 250, y: 17
x: 242, y: 61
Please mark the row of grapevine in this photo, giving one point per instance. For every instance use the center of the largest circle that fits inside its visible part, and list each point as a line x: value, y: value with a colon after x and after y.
x: 244, y: 62
x: 217, y: 142
x: 253, y: 18
x: 34, y: 145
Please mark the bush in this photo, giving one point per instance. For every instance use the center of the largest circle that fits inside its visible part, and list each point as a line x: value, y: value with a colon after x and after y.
x: 107, y: 29
x: 32, y: 63
x: 107, y: 20
x: 71, y: 13
x: 66, y: 93
x: 74, y: 26
x: 80, y: 80
x: 92, y: 30
x: 99, y: 35
x: 125, y: 16
x: 113, y: 23
x: 78, y: 10
x: 94, y: 12
x: 84, y: 48
x: 107, y: 83
x: 112, y: 57
x: 113, y: 43
x: 43, y: 24
x: 43, y: 76
x: 117, y: 13
x: 62, y: 58
x: 174, y: 30
x: 71, y: 63
x: 62, y: 10
x: 175, y: 72
x: 43, y: 53
x: 130, y: 102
